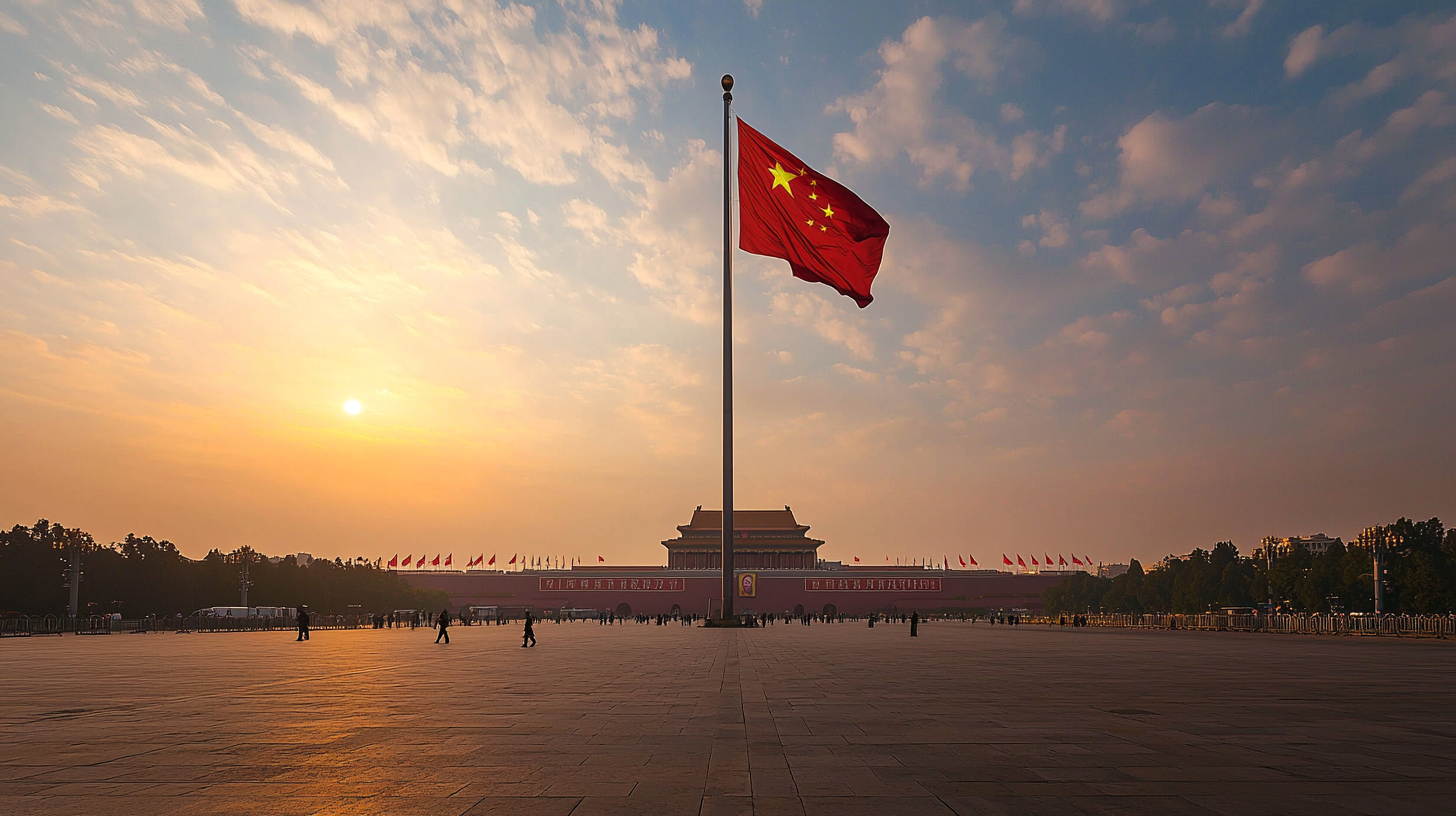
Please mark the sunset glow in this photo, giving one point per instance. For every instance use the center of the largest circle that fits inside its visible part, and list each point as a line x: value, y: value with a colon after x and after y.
x: 1201, y: 293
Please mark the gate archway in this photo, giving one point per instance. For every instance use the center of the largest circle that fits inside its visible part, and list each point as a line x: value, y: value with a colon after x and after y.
x: 624, y: 610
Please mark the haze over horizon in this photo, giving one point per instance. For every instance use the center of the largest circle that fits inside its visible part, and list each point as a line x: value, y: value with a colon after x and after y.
x: 1154, y: 280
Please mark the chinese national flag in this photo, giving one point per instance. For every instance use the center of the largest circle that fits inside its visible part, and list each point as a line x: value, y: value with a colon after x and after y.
x: 1022, y: 563
x: 408, y: 559
x: 787, y: 210
x: 601, y: 560
x: 973, y: 561
x: 856, y: 559
x: 1076, y: 560
x: 1034, y: 562
x: 963, y: 561
x: 492, y: 560
x: 394, y: 562
x: 448, y: 559
x: 1061, y: 562
x: 1007, y: 561
x: 436, y: 562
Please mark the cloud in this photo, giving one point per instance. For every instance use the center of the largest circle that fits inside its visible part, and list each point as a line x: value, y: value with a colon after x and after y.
x: 754, y: 7
x: 535, y: 99
x: 1244, y: 23
x: 1423, y: 251
x: 677, y: 235
x: 1169, y: 161
x: 1096, y: 12
x: 812, y: 311
x: 903, y: 112
x: 173, y: 14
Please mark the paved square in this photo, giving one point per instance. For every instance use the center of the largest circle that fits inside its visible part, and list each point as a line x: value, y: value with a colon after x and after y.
x: 828, y: 719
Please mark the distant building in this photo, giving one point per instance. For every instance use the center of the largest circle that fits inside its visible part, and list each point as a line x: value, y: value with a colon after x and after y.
x: 1316, y: 544
x: 1110, y: 570
x: 763, y: 539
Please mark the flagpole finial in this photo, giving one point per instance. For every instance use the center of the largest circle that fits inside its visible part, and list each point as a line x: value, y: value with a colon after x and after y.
x: 727, y: 87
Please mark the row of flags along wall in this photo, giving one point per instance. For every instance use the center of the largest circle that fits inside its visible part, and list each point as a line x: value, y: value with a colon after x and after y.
x: 1061, y: 561
x: 480, y: 562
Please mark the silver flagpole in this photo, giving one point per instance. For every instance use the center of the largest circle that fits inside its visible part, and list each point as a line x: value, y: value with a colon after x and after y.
x: 728, y: 582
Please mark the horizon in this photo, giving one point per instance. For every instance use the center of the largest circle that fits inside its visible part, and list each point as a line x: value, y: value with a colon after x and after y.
x: 350, y: 278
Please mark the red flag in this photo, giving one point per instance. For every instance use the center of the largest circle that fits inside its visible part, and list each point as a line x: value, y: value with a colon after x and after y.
x: 1034, y: 562
x: 856, y: 559
x: 394, y: 562
x: 513, y: 558
x: 947, y: 560
x: 973, y: 561
x: 1047, y: 558
x: 963, y: 561
x: 420, y: 562
x: 448, y: 558
x: 1007, y: 561
x: 601, y: 560
x: 436, y: 562
x: 492, y: 560
x: 1076, y: 560
x: 1061, y: 562
x: 787, y: 210
x: 408, y: 559
x: 1089, y: 559
x: 1019, y: 561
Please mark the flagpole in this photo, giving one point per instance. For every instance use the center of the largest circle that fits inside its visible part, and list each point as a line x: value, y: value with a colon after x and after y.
x: 727, y: 350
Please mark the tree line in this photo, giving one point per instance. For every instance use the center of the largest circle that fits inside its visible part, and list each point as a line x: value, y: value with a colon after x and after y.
x: 1420, y: 561
x: 141, y: 576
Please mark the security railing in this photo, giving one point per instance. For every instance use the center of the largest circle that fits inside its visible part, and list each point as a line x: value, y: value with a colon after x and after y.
x: 1439, y: 626
x: 28, y: 625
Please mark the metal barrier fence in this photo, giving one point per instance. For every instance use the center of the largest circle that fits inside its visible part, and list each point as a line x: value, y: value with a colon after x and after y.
x: 1438, y: 626
x: 28, y: 625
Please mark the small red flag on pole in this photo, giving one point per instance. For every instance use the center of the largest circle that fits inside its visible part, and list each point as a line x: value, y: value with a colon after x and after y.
x: 601, y: 560
x: 1005, y: 560
x: 394, y: 562
x: 973, y: 561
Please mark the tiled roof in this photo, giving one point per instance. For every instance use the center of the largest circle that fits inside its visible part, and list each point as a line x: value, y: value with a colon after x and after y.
x: 745, y: 520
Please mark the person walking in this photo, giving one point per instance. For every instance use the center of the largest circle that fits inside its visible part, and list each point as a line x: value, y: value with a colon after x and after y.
x: 444, y: 623
x: 915, y: 623
x: 303, y: 623
x: 530, y: 634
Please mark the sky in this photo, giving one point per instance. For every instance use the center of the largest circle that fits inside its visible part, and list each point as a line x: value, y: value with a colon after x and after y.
x: 1158, y: 275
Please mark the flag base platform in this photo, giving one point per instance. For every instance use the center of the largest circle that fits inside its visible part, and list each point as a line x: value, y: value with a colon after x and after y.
x: 744, y: 622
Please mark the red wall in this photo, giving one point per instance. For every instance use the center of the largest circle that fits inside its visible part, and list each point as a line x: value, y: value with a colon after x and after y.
x: 777, y: 591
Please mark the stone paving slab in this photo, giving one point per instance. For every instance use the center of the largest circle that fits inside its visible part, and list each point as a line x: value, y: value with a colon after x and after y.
x: 641, y: 720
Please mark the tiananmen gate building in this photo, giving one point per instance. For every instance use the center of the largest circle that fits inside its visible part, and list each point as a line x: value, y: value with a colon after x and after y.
x: 777, y: 570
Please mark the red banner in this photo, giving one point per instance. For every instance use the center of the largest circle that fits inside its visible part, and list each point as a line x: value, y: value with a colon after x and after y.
x: 613, y: 584
x: 872, y: 584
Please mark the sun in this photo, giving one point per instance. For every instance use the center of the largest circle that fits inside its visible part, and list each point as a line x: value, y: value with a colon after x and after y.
x: 352, y: 407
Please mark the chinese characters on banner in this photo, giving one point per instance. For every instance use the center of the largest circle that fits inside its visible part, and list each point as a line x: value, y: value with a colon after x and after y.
x: 614, y: 584
x: 872, y: 584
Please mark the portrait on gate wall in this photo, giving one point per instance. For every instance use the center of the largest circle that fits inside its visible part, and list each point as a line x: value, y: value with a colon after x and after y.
x: 748, y: 585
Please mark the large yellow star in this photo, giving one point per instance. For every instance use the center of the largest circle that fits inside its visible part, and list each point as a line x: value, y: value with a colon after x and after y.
x: 829, y: 212
x: 782, y: 178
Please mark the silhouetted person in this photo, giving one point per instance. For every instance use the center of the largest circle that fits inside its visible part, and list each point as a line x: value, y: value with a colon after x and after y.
x: 915, y: 624
x: 530, y: 634
x: 303, y: 623
x: 444, y: 623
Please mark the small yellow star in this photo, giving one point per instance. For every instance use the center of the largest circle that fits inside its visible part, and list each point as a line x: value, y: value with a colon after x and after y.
x: 823, y: 229
x: 810, y: 222
x: 813, y: 183
x: 813, y: 196
x: 803, y: 170
x: 829, y: 211
x: 781, y: 178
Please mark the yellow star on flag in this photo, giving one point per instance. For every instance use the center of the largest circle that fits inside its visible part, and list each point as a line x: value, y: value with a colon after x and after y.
x: 829, y: 211
x: 782, y: 178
